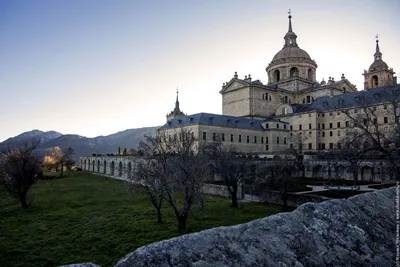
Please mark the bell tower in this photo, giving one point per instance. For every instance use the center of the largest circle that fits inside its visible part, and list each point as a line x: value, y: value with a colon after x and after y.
x: 378, y: 74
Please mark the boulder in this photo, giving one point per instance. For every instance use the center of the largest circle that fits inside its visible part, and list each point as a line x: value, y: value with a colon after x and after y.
x: 359, y: 231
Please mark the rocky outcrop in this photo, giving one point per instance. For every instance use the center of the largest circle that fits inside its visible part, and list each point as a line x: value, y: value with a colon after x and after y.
x: 359, y: 231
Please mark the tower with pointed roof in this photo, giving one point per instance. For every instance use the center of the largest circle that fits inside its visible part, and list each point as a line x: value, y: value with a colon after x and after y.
x: 378, y: 74
x: 176, y: 112
x: 292, y: 68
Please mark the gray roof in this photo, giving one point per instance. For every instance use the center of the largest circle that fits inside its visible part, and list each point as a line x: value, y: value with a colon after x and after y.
x: 350, y: 100
x: 218, y: 120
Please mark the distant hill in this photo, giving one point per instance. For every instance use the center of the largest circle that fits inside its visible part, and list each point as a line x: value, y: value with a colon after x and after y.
x: 83, y: 146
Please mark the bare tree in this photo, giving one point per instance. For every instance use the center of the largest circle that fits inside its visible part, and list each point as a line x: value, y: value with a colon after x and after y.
x: 298, y: 144
x: 232, y: 167
x: 19, y: 169
x: 172, y: 170
x: 377, y: 124
x: 60, y: 158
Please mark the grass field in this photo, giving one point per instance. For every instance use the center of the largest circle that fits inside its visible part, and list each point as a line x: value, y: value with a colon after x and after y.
x: 85, y: 218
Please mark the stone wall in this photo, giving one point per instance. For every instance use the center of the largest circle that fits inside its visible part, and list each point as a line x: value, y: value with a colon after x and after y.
x: 293, y: 200
x: 359, y: 231
x: 221, y: 190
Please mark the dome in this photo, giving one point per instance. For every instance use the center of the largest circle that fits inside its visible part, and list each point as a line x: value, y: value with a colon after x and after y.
x: 378, y: 65
x: 291, y: 52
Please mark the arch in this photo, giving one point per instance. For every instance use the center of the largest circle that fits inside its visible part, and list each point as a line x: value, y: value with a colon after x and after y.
x: 120, y: 169
x: 374, y: 81
x: 98, y: 166
x: 84, y: 166
x: 317, y: 171
x: 294, y: 72
x: 93, y: 165
x: 129, y: 170
x: 88, y: 169
x: 112, y: 166
x: 105, y: 167
x: 367, y: 173
x: 277, y: 76
x: 310, y: 74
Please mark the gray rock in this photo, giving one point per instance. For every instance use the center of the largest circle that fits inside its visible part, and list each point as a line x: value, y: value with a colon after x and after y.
x: 359, y: 231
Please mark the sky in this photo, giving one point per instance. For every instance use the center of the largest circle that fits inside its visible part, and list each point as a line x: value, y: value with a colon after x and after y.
x: 96, y: 67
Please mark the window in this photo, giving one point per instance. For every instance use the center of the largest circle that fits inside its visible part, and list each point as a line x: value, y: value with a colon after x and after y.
x: 214, y: 137
x: 262, y: 139
x: 266, y: 147
x: 347, y: 124
x: 300, y: 127
x: 291, y: 127
x: 284, y: 126
x: 323, y: 126
x: 330, y: 133
x: 330, y: 145
x: 331, y: 114
x: 323, y: 114
x: 277, y: 140
x: 204, y: 136
x: 385, y: 120
x: 338, y: 124
x: 284, y: 140
x: 309, y: 114
x: 310, y: 146
x: 322, y: 145
x: 319, y: 125
x: 310, y: 133
x: 384, y: 106
x: 231, y: 137
x: 331, y: 125
x: 240, y: 138
x: 266, y: 139
x: 277, y: 126
x: 255, y: 139
x: 323, y: 134
x: 267, y: 126
x: 248, y: 139
x: 223, y: 137
x: 338, y: 133
x: 309, y: 126
x: 308, y: 99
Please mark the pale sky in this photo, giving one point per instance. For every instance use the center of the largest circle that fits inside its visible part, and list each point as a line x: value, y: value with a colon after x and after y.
x: 95, y: 67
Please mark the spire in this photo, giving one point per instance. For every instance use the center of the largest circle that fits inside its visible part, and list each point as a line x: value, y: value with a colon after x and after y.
x: 177, y: 101
x: 290, y: 37
x: 378, y: 54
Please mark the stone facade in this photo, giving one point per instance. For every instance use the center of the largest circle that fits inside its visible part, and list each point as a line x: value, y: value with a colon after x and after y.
x: 295, y: 98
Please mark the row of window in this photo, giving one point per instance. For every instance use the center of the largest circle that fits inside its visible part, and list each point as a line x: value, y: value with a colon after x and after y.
x: 338, y: 124
x: 253, y: 140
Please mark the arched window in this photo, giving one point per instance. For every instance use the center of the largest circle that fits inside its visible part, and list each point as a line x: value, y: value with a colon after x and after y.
x: 374, y: 81
x: 286, y: 99
x: 112, y: 168
x: 293, y: 72
x: 310, y: 74
x: 277, y: 76
x: 120, y: 169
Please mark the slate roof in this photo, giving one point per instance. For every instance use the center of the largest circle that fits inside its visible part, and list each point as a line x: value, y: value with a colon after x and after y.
x: 217, y: 120
x: 350, y: 100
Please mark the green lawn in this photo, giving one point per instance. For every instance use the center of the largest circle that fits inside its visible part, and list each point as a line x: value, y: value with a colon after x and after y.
x: 85, y: 217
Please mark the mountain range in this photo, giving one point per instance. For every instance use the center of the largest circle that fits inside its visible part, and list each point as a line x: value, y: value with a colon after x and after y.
x: 83, y: 146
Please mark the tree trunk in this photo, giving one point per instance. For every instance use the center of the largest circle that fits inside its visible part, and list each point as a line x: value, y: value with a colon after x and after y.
x: 62, y: 170
x: 234, y: 197
x: 159, y: 219
x: 22, y: 199
x: 182, y: 219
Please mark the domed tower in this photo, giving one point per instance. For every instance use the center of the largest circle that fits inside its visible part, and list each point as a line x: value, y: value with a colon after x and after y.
x: 378, y: 74
x: 292, y: 68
